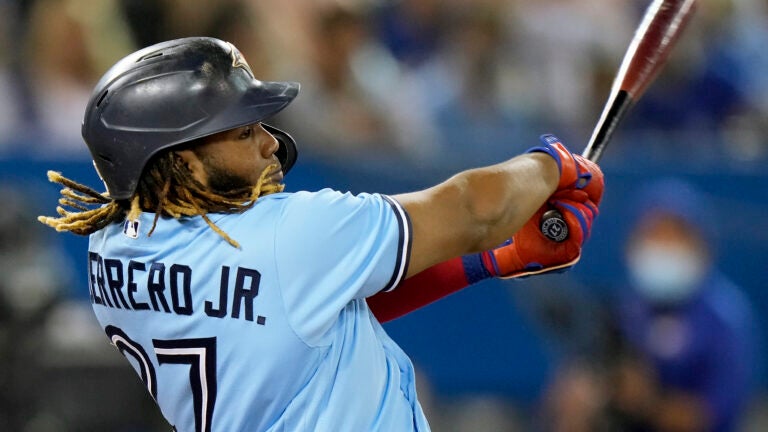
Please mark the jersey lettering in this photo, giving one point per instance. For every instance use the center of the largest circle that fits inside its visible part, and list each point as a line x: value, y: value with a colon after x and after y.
x: 199, y: 354
x: 93, y: 268
x: 156, y: 286
x: 181, y: 279
x: 134, y: 266
x: 221, y: 310
x: 113, y: 269
x: 168, y: 288
x: 100, y: 283
x: 244, y: 296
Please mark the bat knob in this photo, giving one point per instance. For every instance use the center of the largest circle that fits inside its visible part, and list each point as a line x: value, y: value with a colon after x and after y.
x: 553, y: 226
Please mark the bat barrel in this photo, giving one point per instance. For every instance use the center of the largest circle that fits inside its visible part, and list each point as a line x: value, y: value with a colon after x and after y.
x: 661, y: 26
x: 647, y: 53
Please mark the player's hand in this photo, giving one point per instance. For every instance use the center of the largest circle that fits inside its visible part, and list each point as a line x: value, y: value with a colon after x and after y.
x: 576, y: 172
x: 529, y: 252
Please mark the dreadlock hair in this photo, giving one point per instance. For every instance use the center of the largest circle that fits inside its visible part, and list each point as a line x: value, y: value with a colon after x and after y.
x: 166, y: 187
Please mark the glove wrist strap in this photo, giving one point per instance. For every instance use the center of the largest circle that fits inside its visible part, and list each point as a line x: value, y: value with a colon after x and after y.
x: 478, y: 267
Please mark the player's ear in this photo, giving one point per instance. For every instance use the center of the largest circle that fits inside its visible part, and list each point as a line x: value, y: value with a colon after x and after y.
x: 194, y: 164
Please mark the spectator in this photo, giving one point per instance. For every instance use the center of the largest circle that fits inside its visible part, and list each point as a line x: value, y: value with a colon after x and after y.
x: 468, y: 84
x: 412, y: 29
x: 565, y: 45
x: 699, y: 88
x: 684, y: 349
x: 61, y: 75
x: 687, y: 328
x: 344, y: 110
x: 11, y: 106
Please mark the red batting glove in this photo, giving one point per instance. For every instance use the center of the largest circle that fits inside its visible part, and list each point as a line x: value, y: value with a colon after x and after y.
x: 596, y: 185
x: 529, y: 252
x: 576, y: 172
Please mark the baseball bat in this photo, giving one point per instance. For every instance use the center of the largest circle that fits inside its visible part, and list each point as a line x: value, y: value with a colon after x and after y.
x: 661, y: 26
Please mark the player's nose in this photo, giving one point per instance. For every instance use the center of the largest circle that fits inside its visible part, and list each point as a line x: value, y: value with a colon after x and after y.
x: 268, y: 144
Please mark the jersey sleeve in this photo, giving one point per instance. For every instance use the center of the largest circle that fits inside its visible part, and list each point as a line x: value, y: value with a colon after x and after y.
x: 332, y: 248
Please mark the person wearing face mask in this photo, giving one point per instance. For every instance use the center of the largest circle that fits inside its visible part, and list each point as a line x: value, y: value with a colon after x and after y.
x: 684, y: 328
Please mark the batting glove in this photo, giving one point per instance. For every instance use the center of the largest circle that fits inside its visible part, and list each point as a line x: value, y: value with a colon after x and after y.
x: 576, y: 172
x: 529, y: 252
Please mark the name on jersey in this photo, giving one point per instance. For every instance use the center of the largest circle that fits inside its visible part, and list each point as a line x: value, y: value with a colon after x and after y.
x: 168, y: 288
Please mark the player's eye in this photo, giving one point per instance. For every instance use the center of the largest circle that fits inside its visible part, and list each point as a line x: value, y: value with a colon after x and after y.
x: 247, y: 132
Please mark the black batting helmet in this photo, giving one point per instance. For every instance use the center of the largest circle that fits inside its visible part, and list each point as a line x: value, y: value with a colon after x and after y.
x: 171, y: 93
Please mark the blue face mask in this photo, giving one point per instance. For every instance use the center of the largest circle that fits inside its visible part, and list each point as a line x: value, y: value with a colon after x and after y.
x: 665, y: 274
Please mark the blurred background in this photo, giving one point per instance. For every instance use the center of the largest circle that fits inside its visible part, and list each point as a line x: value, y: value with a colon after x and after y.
x: 398, y: 95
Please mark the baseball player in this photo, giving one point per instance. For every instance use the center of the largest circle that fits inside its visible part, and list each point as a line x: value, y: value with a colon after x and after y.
x: 243, y: 308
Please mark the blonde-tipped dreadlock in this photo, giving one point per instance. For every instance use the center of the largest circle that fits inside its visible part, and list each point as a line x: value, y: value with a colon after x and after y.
x: 166, y: 188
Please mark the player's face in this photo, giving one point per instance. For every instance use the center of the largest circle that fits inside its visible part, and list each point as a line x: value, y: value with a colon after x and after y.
x: 235, y: 159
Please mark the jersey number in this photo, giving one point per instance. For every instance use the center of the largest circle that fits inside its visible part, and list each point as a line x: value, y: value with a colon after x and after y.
x: 199, y: 354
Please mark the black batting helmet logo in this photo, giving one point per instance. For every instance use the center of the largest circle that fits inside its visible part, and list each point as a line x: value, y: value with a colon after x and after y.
x: 238, y: 60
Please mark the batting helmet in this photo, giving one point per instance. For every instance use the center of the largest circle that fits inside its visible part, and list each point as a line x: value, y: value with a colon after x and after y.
x: 171, y: 93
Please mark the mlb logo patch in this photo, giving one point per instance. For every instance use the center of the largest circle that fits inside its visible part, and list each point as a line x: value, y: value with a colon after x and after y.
x: 131, y: 229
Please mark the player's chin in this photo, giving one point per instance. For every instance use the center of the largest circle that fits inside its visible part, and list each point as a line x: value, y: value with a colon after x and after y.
x: 276, y: 177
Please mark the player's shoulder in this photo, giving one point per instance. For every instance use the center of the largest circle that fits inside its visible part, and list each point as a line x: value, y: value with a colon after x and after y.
x: 330, y: 194
x: 329, y: 207
x: 331, y: 198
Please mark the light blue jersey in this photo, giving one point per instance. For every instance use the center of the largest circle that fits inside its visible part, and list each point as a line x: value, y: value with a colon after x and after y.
x: 275, y: 336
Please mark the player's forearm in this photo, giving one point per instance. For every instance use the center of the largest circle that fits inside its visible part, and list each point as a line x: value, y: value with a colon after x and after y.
x: 501, y: 198
x: 477, y: 209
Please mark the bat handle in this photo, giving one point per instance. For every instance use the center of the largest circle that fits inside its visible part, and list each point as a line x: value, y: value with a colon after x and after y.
x: 553, y: 226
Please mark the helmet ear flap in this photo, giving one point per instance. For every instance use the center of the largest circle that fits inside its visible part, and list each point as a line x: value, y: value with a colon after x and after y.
x: 287, y: 152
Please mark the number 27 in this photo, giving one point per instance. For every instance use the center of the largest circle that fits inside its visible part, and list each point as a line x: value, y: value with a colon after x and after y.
x: 199, y: 354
